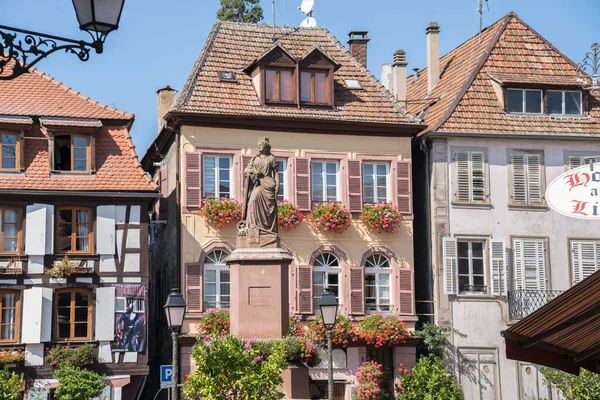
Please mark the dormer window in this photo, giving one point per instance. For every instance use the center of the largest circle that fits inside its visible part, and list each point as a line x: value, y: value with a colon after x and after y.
x: 524, y: 101
x: 544, y: 102
x: 564, y: 102
x: 279, y: 85
x: 313, y: 87
x: 10, y: 151
x: 72, y: 153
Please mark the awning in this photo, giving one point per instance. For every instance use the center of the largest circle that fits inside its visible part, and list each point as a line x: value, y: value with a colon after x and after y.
x: 562, y: 334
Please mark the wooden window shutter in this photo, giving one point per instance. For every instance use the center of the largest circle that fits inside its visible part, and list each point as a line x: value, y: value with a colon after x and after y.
x: 357, y: 291
x: 92, y: 154
x: 355, y: 185
x: 21, y: 154
x: 194, y: 274
x: 162, y: 207
x: 530, y: 264
x: 518, y: 263
x: 585, y: 256
x: 575, y: 162
x: 450, y: 266
x: 463, y: 176
x: 403, y: 185
x: 193, y: 180
x: 302, y: 175
x: 478, y: 178
x: 406, y: 292
x: 534, y: 178
x: 519, y: 180
x: 304, y: 284
x: 499, y: 279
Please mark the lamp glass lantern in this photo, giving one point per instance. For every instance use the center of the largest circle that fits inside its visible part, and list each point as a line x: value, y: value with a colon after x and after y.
x: 101, y: 16
x: 175, y: 309
x: 329, y: 309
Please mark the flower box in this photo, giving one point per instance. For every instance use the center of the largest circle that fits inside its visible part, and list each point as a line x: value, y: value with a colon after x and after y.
x: 11, y: 267
x: 11, y: 357
x: 289, y: 215
x: 220, y: 212
x: 381, y: 217
x: 66, y: 267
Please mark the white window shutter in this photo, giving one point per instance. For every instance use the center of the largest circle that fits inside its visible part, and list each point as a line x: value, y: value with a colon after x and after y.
x: 541, y: 264
x: 534, y: 178
x: 499, y: 270
x: 519, y: 181
x: 31, y: 331
x: 39, y: 229
x: 46, y: 332
x: 105, y: 313
x: 105, y: 237
x: 575, y: 162
x: 518, y: 264
x: 450, y: 266
x: 530, y: 264
x: 477, y: 176
x: 585, y: 258
x: 463, y: 176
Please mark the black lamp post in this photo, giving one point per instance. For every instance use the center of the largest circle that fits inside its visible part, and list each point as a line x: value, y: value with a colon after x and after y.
x: 175, y: 311
x: 329, y: 308
x: 96, y: 17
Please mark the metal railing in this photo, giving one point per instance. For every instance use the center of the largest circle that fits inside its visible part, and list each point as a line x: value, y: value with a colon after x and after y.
x: 523, y: 302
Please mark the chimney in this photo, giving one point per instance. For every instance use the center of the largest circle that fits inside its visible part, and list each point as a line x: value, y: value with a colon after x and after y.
x: 166, y: 98
x: 433, y: 54
x: 399, y: 74
x: 357, y: 43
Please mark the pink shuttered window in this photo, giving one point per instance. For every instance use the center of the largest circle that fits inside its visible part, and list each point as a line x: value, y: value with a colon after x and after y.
x: 193, y: 287
x: 302, y: 192
x: 403, y: 175
x: 354, y: 186
x: 405, y: 292
x: 357, y: 295
x: 304, y: 296
x: 193, y: 180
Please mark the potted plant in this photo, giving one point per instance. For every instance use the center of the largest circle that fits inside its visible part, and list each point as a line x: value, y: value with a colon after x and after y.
x: 62, y: 269
x: 330, y: 217
x: 381, y: 217
x: 11, y: 357
x: 288, y: 215
x: 220, y: 212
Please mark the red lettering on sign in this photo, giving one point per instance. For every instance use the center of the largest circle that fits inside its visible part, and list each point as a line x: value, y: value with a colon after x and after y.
x: 579, y: 207
x: 577, y: 179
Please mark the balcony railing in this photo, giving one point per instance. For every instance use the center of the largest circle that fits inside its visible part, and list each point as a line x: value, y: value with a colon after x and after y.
x: 523, y: 302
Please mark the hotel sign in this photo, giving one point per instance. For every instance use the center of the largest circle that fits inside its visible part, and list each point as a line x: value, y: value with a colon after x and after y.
x: 576, y: 193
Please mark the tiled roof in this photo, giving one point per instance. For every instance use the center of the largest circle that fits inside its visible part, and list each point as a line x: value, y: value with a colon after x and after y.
x: 464, y: 100
x: 233, y: 46
x: 71, y: 122
x: 15, y: 120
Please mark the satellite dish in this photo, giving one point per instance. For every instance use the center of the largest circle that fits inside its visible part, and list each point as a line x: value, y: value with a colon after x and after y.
x: 309, y: 22
x: 307, y: 6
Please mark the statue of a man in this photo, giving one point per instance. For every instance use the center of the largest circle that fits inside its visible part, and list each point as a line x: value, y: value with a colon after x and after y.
x: 261, y: 186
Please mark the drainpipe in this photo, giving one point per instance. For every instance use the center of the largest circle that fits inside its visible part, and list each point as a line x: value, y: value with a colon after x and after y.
x: 424, y: 147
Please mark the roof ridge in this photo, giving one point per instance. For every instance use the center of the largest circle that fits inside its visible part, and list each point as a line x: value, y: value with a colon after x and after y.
x: 270, y: 26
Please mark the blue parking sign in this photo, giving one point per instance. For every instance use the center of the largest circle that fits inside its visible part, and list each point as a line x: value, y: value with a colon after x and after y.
x: 166, y: 375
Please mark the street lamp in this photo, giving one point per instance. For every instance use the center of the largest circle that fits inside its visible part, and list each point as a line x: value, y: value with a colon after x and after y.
x: 590, y: 67
x: 96, y: 17
x: 175, y: 311
x: 329, y: 308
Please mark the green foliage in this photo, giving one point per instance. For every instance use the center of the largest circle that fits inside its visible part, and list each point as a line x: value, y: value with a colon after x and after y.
x: 435, y: 338
x: 63, y: 269
x: 229, y: 369
x: 240, y: 11
x: 428, y: 380
x: 586, y: 386
x: 11, y: 385
x: 75, y: 383
x: 61, y: 356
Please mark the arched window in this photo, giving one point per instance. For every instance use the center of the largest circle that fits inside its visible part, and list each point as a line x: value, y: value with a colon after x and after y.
x: 378, y: 275
x: 326, y: 274
x: 216, y: 280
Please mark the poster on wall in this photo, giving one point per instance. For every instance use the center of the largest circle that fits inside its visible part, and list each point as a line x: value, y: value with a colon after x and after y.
x: 130, y: 318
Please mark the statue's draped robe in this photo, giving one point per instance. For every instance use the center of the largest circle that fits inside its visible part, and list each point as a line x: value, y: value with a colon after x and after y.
x: 261, y: 200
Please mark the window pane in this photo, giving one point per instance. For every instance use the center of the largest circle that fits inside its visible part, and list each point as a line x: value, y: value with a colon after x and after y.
x: 81, y: 330
x: 11, y: 216
x: 208, y: 172
x: 64, y: 243
x: 83, y: 216
x: 477, y: 266
x: 224, y: 276
x: 79, y: 165
x: 9, y: 151
x: 320, y: 87
x: 224, y: 288
x: 533, y: 101
x: 572, y: 102
x: 463, y: 266
x: 381, y: 169
x: 368, y: 169
x: 63, y: 299
x: 80, y: 153
x: 478, y: 280
x: 331, y: 193
x: 210, y: 276
x: 224, y: 162
x: 384, y: 279
x: 331, y: 168
x: 370, y: 291
x: 10, y: 245
x: 62, y: 153
x: 514, y: 100
x: 81, y: 299
x: 554, y: 100
x: 477, y: 248
x: 210, y: 289
x: 286, y: 85
x: 8, y: 332
x: 305, y: 86
x: 384, y: 292
x: 271, y: 85
x: 9, y: 139
x: 463, y: 249
x: 82, y: 244
x: 79, y: 141
x: 9, y: 163
x: 64, y: 330
x: 463, y: 282
x: 81, y: 314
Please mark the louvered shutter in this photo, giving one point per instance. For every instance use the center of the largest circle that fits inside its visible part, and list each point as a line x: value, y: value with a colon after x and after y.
x: 463, y: 176
x: 194, y: 274
x: 304, y: 284
x: 302, y: 175
x: 519, y: 181
x: 355, y: 185
x: 518, y: 264
x: 575, y: 162
x: 530, y: 265
x: 193, y: 180
x: 406, y: 291
x: 499, y: 270
x: 534, y: 179
x: 403, y: 186
x: 357, y: 291
x: 585, y: 258
x: 478, y: 184
x: 450, y: 266
x: 162, y: 203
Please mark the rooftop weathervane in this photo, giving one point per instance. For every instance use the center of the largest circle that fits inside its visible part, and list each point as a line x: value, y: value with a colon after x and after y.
x: 590, y: 67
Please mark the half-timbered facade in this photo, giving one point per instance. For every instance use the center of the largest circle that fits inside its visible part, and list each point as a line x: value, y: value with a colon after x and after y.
x: 337, y: 134
x: 74, y: 243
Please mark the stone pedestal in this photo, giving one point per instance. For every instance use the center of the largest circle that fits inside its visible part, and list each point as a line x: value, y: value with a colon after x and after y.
x: 259, y: 292
x: 296, y: 382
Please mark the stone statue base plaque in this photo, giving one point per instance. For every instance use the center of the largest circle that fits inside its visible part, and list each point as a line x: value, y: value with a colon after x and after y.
x: 259, y: 292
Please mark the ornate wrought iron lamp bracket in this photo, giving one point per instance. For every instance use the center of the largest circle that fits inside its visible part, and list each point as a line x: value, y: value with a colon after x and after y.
x: 21, y: 49
x: 590, y: 66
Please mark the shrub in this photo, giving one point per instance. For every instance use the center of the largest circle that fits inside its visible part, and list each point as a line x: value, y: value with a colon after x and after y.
x: 379, y: 331
x: 75, y: 383
x: 435, y: 338
x: 584, y: 386
x: 12, y: 385
x: 343, y: 331
x: 330, y: 217
x: 428, y: 380
x: 221, y: 212
x: 215, y: 322
x: 63, y: 269
x: 11, y: 356
x: 62, y: 356
x: 382, y: 217
x: 369, y: 378
x: 288, y: 215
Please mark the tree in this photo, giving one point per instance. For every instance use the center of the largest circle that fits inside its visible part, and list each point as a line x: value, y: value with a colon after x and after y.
x: 428, y: 380
x: 11, y: 385
x: 584, y: 386
x: 75, y: 383
x: 240, y: 11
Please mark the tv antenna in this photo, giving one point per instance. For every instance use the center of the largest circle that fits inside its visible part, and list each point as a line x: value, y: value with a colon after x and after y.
x: 307, y: 9
x: 481, y: 16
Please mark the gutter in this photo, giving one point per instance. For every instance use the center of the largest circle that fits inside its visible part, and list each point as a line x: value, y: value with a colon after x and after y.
x: 510, y: 136
x: 29, y: 192
x: 423, y: 146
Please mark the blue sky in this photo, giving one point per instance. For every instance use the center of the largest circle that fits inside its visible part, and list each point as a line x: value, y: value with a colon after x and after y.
x: 159, y: 40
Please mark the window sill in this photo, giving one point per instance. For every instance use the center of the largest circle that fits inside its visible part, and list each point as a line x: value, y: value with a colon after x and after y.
x: 526, y: 207
x: 471, y: 205
x: 11, y: 172
x: 80, y: 256
x: 71, y: 174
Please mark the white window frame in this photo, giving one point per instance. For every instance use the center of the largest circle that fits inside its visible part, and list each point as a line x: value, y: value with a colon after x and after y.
x: 455, y: 175
x: 564, y: 102
x: 285, y: 191
x: 576, y: 159
x: 523, y: 101
x: 388, y: 186
x: 218, y: 268
x: 577, y: 252
x: 139, y: 305
x: 377, y: 270
x: 326, y: 271
x: 217, y: 157
x: 470, y: 258
x: 338, y: 187
x: 527, y: 175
